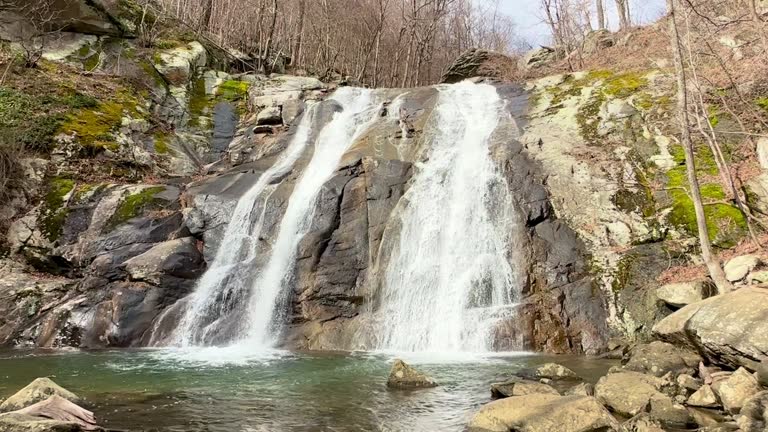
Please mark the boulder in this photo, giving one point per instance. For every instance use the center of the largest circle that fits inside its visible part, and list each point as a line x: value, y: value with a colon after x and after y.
x: 670, y: 413
x: 598, y: 40
x: 687, y: 382
x: 627, y: 393
x: 729, y: 329
x: 537, y: 58
x: 658, y: 358
x: 16, y: 422
x: 682, y: 294
x: 179, y: 258
x: 403, y: 376
x: 59, y: 409
x: 754, y: 413
x: 642, y: 422
x: 517, y: 387
x: 178, y: 65
x: 269, y: 116
x: 478, y: 63
x: 739, y: 267
x: 555, y: 371
x: 703, y: 397
x: 736, y: 390
x: 543, y: 413
x: 37, y: 391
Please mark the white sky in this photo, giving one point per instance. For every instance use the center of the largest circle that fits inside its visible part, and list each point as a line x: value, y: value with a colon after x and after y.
x: 527, y: 16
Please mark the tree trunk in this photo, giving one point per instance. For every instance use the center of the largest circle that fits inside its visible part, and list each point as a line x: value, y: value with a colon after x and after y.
x: 601, y: 25
x: 296, y: 60
x: 715, y: 271
x: 205, y: 22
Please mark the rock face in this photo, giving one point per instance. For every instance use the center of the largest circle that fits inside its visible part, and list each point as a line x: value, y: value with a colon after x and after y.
x: 37, y: 391
x: 730, y: 329
x: 403, y: 376
x: 478, y: 63
x: 524, y: 413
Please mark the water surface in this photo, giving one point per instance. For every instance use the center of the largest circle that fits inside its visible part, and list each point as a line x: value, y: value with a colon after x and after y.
x: 225, y: 390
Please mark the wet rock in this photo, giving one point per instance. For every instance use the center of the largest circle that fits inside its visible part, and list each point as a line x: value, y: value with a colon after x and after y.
x: 627, y: 393
x: 583, y: 389
x: 704, y: 397
x: 739, y: 267
x: 517, y: 387
x: 543, y: 413
x: 658, y: 358
x: 403, y: 376
x: 736, y: 390
x: 642, y: 422
x: 754, y: 413
x: 37, y: 391
x: 478, y: 63
x: 729, y: 329
x: 682, y: 294
x: 555, y: 371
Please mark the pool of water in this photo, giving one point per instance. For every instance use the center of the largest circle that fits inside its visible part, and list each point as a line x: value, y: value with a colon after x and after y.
x: 227, y: 390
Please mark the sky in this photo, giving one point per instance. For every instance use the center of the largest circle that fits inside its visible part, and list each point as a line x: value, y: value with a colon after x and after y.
x: 527, y: 16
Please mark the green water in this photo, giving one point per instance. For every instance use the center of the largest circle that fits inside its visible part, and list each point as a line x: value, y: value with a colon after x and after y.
x: 220, y: 390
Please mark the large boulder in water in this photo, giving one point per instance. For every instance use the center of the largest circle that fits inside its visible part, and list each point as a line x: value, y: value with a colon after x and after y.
x: 543, y: 413
x: 478, y: 63
x: 37, y: 391
x: 403, y: 376
x: 729, y: 329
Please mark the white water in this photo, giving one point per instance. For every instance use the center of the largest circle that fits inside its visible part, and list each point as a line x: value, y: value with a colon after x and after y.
x: 266, y: 307
x: 224, y: 282
x: 450, y: 278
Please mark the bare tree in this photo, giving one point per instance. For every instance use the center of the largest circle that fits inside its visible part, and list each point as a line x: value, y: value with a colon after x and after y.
x: 37, y: 23
x: 625, y: 17
x: 715, y: 270
x: 600, y: 8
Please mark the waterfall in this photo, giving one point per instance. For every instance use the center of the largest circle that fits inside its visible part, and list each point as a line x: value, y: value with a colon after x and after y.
x: 449, y: 278
x: 268, y: 296
x: 238, y: 298
x: 226, y: 281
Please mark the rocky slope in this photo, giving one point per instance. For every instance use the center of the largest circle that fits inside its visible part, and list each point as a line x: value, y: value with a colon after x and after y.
x: 112, y: 230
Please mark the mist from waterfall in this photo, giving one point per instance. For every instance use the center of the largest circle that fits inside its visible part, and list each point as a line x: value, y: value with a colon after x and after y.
x: 449, y: 278
x: 240, y: 299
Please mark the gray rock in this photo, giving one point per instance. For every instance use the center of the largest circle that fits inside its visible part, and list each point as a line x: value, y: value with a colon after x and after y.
x: 736, y: 390
x: 729, y: 329
x: 754, y: 413
x: 687, y: 382
x: 37, y: 391
x: 15, y: 422
x: 403, y: 376
x: 627, y: 393
x: 739, y: 267
x: 537, y: 58
x: 179, y: 258
x: 682, y: 294
x: 658, y: 358
x: 269, y: 116
x: 668, y: 412
x: 704, y: 397
x: 543, y: 413
x: 517, y: 387
x: 583, y: 389
x: 478, y: 63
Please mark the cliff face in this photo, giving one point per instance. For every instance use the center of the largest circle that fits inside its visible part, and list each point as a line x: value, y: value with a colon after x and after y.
x: 132, y: 203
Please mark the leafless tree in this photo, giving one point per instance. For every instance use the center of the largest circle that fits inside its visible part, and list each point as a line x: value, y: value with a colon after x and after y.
x: 37, y: 22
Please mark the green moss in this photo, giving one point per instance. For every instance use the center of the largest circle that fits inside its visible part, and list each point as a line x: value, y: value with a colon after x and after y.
x: 622, y: 274
x: 199, y: 102
x: 92, y: 62
x: 725, y: 223
x: 164, y: 44
x: 624, y: 85
x: 84, y: 50
x: 713, y: 116
x: 233, y: 91
x: 133, y: 205
x: 762, y: 102
x: 161, y: 143
x: 94, y: 127
x: 152, y: 72
x: 53, y: 213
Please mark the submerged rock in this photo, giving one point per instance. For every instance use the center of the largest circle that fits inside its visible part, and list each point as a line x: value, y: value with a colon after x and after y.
x: 37, y: 391
x: 555, y: 371
x: 543, y: 413
x: 403, y: 376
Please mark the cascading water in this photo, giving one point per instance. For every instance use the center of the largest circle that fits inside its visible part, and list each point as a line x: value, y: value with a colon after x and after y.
x: 270, y: 289
x: 226, y: 281
x: 236, y: 299
x: 449, y: 278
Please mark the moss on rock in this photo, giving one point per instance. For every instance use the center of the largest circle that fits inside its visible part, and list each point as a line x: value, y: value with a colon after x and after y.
x: 133, y: 205
x: 53, y: 213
